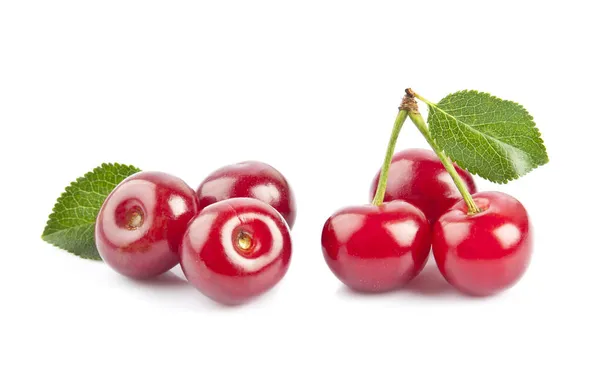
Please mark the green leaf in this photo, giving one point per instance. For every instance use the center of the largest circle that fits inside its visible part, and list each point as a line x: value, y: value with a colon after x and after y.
x: 488, y: 136
x: 71, y: 224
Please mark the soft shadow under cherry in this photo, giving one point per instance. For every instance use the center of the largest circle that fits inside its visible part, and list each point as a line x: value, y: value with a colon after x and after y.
x: 430, y: 283
x: 176, y: 292
x: 166, y: 280
x: 350, y: 293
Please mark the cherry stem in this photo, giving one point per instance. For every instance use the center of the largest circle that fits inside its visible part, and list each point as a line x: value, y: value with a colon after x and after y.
x: 385, y: 168
x: 418, y: 120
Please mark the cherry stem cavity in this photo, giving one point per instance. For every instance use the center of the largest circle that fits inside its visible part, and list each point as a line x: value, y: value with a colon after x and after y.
x: 385, y: 168
x: 419, y: 122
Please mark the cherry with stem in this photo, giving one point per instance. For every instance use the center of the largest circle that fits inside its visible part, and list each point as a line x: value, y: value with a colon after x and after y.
x: 382, y: 246
x: 483, y: 244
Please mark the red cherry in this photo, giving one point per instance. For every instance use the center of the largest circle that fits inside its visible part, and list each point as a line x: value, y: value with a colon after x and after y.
x: 419, y: 177
x: 376, y: 248
x: 236, y: 249
x: 250, y: 179
x: 141, y: 223
x: 487, y: 252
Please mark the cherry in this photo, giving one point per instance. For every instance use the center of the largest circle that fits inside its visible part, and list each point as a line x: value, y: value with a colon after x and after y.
x: 376, y: 248
x: 419, y: 177
x: 252, y: 179
x: 141, y: 223
x: 236, y: 249
x: 487, y: 252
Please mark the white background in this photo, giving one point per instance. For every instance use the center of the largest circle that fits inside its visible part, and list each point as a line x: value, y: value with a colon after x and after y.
x: 312, y: 88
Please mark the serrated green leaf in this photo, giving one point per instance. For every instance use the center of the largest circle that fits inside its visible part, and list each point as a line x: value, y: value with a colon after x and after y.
x: 490, y: 137
x: 71, y: 224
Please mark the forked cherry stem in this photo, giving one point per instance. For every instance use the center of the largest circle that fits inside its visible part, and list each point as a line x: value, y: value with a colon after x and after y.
x: 418, y: 120
x: 385, y: 168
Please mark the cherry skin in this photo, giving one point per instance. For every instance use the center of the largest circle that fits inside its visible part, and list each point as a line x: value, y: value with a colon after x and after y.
x: 376, y: 248
x: 236, y: 249
x: 487, y: 252
x: 141, y: 223
x: 419, y: 177
x: 252, y: 179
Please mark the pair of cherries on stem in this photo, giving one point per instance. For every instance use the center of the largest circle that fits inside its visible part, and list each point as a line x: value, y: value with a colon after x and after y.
x: 482, y: 244
x: 231, y: 237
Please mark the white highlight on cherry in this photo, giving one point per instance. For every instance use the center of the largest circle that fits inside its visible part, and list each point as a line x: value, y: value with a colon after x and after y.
x: 345, y: 225
x: 266, y: 192
x: 217, y: 185
x: 177, y: 205
x: 508, y: 235
x: 404, y: 232
x: 445, y: 178
x: 204, y: 223
x: 456, y: 232
x: 251, y: 264
x: 402, y: 170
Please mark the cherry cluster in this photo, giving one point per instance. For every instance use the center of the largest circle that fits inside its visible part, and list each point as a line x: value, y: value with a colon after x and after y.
x: 231, y: 236
x: 378, y: 248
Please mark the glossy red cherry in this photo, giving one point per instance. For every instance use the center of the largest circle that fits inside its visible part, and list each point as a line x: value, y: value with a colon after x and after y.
x: 487, y: 252
x: 141, y: 223
x: 419, y: 177
x: 236, y: 249
x: 250, y: 179
x: 376, y: 248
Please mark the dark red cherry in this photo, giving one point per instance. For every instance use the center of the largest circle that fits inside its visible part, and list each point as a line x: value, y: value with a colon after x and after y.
x: 419, y: 177
x: 250, y: 179
x: 236, y: 249
x: 376, y: 248
x: 487, y: 252
x: 141, y: 223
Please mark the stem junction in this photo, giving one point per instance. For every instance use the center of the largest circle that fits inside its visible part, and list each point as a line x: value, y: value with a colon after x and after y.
x: 418, y: 121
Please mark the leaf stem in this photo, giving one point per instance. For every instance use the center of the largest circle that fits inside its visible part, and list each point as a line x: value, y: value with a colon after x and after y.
x: 417, y: 119
x: 385, y: 168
